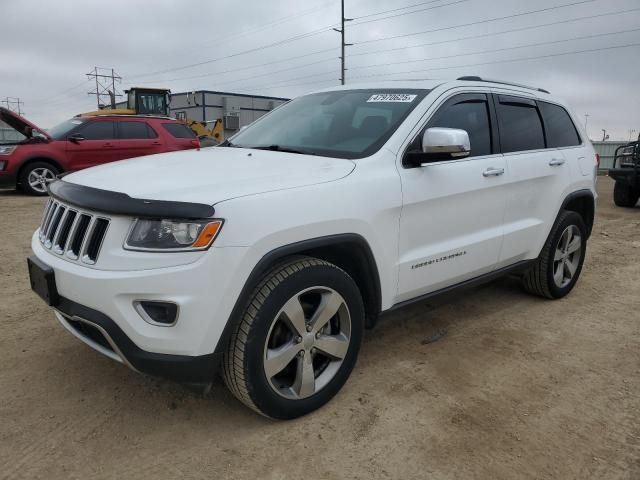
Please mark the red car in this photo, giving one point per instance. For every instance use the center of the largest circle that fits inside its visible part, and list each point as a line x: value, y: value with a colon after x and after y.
x: 32, y: 157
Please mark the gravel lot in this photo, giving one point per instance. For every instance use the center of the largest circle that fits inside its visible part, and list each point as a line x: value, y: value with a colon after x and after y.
x: 491, y: 384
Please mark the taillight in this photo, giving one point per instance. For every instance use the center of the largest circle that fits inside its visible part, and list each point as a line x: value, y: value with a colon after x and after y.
x: 598, y: 160
x: 196, y: 142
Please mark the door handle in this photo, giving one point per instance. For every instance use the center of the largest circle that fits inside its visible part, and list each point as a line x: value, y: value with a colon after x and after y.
x: 554, y: 162
x: 493, y: 172
x: 156, y: 143
x: 107, y: 145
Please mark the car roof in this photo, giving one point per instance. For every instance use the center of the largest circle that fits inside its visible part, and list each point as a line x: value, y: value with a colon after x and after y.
x: 430, y: 84
x: 124, y: 117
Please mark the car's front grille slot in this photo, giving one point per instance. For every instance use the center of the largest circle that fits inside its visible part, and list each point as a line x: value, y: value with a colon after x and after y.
x: 95, y: 239
x: 74, y: 234
x: 78, y: 236
x: 63, y: 233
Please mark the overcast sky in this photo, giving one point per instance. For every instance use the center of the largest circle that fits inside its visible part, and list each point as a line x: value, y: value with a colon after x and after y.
x: 47, y: 47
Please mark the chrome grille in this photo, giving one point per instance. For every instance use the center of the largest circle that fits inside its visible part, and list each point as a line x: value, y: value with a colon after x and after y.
x: 72, y: 233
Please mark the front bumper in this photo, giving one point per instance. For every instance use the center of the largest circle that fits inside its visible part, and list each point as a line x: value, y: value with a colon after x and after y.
x: 104, y: 335
x: 627, y: 175
x: 7, y: 180
x: 103, y: 300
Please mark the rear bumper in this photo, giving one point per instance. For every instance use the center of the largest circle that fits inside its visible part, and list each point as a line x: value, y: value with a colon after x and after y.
x: 627, y: 175
x: 102, y: 334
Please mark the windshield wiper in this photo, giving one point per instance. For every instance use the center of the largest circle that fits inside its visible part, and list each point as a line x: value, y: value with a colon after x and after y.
x: 280, y: 148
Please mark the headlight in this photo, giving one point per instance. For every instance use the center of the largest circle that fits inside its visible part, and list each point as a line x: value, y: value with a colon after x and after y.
x: 7, y: 150
x: 172, y: 235
x: 3, y: 163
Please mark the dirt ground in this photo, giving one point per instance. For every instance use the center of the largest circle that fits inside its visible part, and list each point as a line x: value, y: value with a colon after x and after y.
x: 515, y: 387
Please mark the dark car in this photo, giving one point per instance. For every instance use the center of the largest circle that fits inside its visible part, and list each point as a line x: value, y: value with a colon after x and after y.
x: 32, y: 157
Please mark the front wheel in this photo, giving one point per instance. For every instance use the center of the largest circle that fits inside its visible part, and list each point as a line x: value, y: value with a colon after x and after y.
x: 558, y: 267
x: 298, y: 339
x: 35, y: 177
x: 624, y: 195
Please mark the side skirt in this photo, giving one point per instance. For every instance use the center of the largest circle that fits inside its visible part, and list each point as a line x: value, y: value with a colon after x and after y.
x: 473, y: 282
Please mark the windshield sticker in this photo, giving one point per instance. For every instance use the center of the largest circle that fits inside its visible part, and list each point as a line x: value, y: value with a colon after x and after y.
x: 392, y: 97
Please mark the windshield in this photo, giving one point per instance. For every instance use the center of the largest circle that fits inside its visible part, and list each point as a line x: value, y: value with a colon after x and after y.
x: 60, y: 131
x: 343, y: 124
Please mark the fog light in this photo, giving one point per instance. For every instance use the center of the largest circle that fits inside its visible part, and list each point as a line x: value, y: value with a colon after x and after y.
x: 163, y: 314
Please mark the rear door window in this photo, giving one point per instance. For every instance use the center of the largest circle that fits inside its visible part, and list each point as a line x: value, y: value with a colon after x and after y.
x: 520, y: 124
x: 130, y: 130
x: 100, y: 130
x: 178, y: 130
x: 560, y: 130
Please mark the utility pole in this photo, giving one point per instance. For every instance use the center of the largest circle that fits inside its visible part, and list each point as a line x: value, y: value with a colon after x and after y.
x: 586, y: 119
x: 343, y: 43
x: 13, y: 104
x: 106, y: 80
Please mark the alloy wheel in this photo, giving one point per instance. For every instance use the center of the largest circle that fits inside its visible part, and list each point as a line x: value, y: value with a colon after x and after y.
x: 307, y: 342
x: 39, y: 178
x: 567, y: 256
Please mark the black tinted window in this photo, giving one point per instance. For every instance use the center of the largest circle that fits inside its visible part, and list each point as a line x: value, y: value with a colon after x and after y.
x: 561, y: 132
x: 472, y: 116
x: 99, y: 130
x: 131, y: 130
x: 178, y: 130
x: 520, y: 127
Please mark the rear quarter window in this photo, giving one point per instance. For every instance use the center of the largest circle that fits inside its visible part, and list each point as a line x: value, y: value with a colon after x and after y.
x: 560, y: 130
x: 178, y: 130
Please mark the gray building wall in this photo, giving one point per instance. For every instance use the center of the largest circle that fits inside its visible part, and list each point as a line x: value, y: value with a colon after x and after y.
x: 606, y: 150
x: 208, y: 106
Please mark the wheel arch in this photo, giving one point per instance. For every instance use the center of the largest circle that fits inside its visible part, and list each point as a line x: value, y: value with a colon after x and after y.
x: 583, y: 203
x: 349, y: 251
x: 39, y: 158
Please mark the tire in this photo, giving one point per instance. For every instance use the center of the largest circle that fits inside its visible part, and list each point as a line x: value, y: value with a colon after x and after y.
x: 624, y: 195
x: 44, y: 171
x: 263, y: 366
x: 556, y: 271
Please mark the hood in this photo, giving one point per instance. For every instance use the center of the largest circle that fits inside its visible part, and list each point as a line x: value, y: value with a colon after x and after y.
x: 20, y: 124
x: 211, y: 175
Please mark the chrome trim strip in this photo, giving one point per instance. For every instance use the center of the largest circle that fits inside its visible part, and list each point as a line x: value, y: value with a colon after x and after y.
x: 145, y: 316
x: 116, y: 354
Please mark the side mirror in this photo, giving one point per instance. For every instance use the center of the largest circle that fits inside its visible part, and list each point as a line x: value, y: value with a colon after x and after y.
x: 75, y: 138
x: 445, y: 143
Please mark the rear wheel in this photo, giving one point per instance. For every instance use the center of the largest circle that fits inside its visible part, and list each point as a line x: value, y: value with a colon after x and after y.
x: 35, y: 177
x: 558, y: 267
x: 298, y: 339
x: 624, y: 195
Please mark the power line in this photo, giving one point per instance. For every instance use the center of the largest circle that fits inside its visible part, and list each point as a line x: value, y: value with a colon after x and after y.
x: 244, y: 52
x: 503, y: 61
x: 550, y: 42
x: 478, y: 22
x: 396, y: 9
x: 408, y: 13
x: 490, y: 34
x: 513, y: 30
x: 274, y: 72
x: 459, y: 55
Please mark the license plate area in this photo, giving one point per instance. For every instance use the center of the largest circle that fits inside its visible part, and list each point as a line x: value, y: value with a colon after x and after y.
x: 43, y: 281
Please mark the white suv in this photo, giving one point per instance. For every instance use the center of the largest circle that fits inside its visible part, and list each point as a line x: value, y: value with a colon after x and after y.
x: 269, y: 255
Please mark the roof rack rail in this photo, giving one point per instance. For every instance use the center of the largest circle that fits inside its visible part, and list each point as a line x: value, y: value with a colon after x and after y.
x: 474, y: 78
